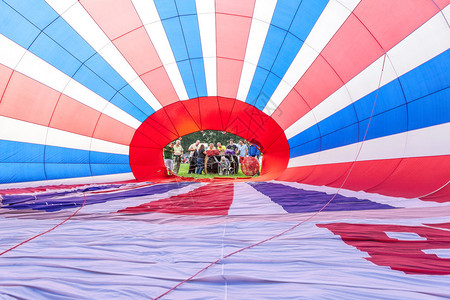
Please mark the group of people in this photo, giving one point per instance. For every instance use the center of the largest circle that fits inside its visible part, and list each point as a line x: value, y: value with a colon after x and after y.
x: 198, y: 152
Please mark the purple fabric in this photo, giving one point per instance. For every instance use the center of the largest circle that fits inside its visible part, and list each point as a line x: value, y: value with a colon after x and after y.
x: 295, y: 200
x: 54, y: 202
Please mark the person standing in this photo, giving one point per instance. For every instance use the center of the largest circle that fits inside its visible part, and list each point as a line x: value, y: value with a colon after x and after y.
x: 252, y: 150
x: 232, y: 146
x: 193, y: 156
x: 201, y: 159
x: 242, y: 148
x: 221, y: 148
x: 168, y: 152
x: 177, y: 152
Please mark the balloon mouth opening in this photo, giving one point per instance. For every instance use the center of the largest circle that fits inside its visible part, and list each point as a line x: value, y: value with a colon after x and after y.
x: 206, y: 113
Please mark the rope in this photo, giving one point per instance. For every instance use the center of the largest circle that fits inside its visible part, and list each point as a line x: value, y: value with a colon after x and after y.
x: 302, y: 222
x: 47, y: 231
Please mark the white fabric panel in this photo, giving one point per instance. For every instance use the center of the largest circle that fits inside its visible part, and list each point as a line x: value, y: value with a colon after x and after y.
x: 207, y: 26
x: 34, y: 67
x: 432, y: 38
x: 78, y: 180
x: 21, y: 131
x: 262, y: 15
x: 422, y: 142
x: 150, y: 18
x: 246, y: 199
x: 329, y: 22
x: 10, y: 52
x: 78, y: 18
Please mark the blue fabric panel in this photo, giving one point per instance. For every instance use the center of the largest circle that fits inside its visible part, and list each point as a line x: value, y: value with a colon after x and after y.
x: 122, y: 103
x: 307, y: 15
x: 389, y: 97
x: 66, y: 155
x: 108, y: 158
x: 284, y: 13
x: 188, y: 78
x: 15, y: 27
x: 13, y: 152
x: 100, y: 67
x: 269, y: 87
x: 341, y: 119
x: 390, y: 122
x: 95, y: 83
x: 45, y: 48
x: 64, y: 170
x: 131, y: 95
x: 274, y: 40
x: 177, y: 41
x: 166, y: 9
x: 68, y: 38
x: 307, y: 148
x: 198, y: 68
x: 310, y: 134
x: 288, y: 51
x: 344, y: 136
x: 186, y: 7
x: 21, y: 172
x: 257, y: 83
x: 432, y: 76
x: 36, y: 11
x: 191, y: 33
x: 431, y: 110
x: 105, y: 169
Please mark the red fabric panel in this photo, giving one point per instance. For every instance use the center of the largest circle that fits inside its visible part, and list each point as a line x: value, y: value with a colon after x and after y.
x: 148, y: 163
x: 211, y: 199
x: 152, y: 132
x: 440, y: 225
x: 296, y: 174
x: 111, y: 130
x: 290, y: 109
x: 228, y: 77
x: 327, y: 174
x: 442, y: 3
x: 403, y: 15
x: 33, y: 104
x: 416, y: 177
x: 226, y: 107
x: 209, y: 108
x: 73, y: 116
x: 401, y: 255
x: 115, y: 17
x: 235, y: 7
x: 159, y: 83
x: 442, y: 195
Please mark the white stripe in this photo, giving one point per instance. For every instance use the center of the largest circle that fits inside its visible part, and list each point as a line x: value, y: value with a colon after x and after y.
x: 429, y: 141
x: 21, y: 131
x: 262, y: 15
x: 22, y: 61
x: 80, y: 20
x: 329, y: 22
x: 150, y: 18
x: 428, y: 41
x: 207, y: 26
x: 78, y: 180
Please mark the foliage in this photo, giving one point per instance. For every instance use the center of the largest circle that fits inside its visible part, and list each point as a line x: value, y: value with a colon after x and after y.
x: 209, y: 136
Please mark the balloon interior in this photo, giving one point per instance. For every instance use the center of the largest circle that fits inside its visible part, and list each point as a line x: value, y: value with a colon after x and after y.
x: 348, y: 101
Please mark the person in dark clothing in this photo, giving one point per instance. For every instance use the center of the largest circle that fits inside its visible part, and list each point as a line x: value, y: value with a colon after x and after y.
x: 201, y: 154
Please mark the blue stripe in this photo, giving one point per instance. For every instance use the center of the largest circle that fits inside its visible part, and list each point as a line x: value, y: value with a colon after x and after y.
x: 418, y: 99
x: 62, y: 47
x: 291, y: 23
x: 21, y: 162
x: 179, y: 19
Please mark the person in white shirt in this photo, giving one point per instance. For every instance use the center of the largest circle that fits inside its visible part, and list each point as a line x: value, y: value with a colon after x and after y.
x: 193, y: 156
x: 177, y: 152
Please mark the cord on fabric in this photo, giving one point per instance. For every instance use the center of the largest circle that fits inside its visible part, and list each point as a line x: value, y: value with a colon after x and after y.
x: 302, y: 222
x: 47, y: 231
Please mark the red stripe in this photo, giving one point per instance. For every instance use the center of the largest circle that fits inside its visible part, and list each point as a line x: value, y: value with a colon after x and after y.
x: 232, y: 29
x: 406, y: 177
x: 375, y: 27
x: 212, y: 199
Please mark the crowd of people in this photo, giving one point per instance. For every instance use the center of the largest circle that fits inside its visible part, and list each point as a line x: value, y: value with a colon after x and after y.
x: 198, y: 153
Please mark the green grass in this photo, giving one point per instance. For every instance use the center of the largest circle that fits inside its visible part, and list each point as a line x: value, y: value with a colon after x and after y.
x: 184, y: 168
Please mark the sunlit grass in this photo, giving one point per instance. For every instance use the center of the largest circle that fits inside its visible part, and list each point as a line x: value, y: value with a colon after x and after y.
x: 184, y: 168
